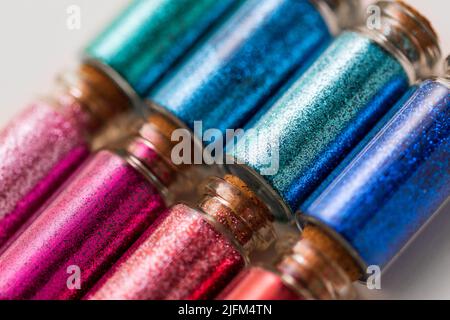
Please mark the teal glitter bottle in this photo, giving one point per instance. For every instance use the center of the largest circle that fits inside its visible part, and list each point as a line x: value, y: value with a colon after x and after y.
x: 149, y: 36
x: 329, y: 109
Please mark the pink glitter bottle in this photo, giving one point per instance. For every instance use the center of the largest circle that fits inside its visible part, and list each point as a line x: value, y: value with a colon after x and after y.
x: 192, y: 253
x: 43, y: 145
x: 113, y: 198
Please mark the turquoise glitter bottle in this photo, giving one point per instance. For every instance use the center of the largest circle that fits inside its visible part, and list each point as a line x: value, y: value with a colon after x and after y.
x: 328, y: 110
x: 142, y: 43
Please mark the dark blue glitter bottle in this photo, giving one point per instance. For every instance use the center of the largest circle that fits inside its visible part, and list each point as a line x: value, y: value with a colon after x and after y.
x: 395, y: 184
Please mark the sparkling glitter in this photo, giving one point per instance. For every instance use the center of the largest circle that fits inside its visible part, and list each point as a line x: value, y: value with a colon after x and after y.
x: 243, y: 63
x: 90, y: 224
x: 144, y: 41
x: 39, y: 149
x: 256, y: 283
x: 394, y: 185
x: 180, y: 257
x: 323, y: 115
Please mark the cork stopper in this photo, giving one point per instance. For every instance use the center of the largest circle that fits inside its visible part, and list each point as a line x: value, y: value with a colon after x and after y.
x: 151, y: 149
x: 163, y: 124
x: 237, y: 209
x: 98, y: 94
x: 409, y: 36
x: 333, y: 250
x: 246, y: 190
x: 313, y: 275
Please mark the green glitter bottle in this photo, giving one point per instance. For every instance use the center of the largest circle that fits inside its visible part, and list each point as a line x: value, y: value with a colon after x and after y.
x: 141, y: 44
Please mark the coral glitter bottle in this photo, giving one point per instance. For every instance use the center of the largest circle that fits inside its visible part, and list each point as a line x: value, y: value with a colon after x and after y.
x: 103, y: 209
x: 302, y: 274
x: 192, y: 253
x: 44, y: 144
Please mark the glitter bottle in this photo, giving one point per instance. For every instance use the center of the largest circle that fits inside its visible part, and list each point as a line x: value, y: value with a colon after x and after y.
x: 143, y: 42
x: 329, y: 109
x: 371, y: 209
x: 192, y: 253
x: 249, y: 58
x: 394, y: 185
x: 304, y: 273
x: 87, y: 226
x: 45, y: 143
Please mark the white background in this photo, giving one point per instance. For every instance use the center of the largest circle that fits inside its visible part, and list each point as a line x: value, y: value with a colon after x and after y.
x: 35, y: 44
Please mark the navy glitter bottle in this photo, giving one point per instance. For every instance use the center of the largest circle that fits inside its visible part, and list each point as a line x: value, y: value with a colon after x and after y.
x: 328, y: 110
x: 395, y: 184
x: 243, y: 63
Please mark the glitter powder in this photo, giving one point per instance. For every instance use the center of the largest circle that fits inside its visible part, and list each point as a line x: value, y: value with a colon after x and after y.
x: 395, y: 183
x: 323, y: 115
x: 89, y: 225
x: 39, y: 149
x: 147, y: 38
x: 256, y: 283
x: 181, y: 256
x: 234, y: 72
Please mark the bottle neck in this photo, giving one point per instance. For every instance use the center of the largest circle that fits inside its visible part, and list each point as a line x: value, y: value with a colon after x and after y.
x: 97, y: 96
x: 150, y: 152
x: 234, y: 208
x: 407, y: 35
x: 313, y: 275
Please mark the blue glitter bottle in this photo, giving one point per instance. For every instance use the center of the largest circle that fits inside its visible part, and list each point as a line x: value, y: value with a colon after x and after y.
x: 393, y: 186
x: 235, y: 70
x: 329, y: 109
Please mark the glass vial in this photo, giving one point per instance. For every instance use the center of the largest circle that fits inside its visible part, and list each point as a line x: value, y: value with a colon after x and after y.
x: 387, y: 191
x: 45, y: 143
x: 87, y: 226
x: 149, y: 36
x: 192, y: 253
x: 330, y: 108
x: 248, y: 59
x: 305, y: 273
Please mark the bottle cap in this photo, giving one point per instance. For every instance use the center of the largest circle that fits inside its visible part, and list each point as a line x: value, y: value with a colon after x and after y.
x: 408, y: 35
x: 239, y: 212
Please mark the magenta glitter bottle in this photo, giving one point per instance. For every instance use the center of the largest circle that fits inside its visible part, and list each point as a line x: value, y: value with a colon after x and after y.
x: 113, y: 198
x: 191, y: 253
x: 43, y: 145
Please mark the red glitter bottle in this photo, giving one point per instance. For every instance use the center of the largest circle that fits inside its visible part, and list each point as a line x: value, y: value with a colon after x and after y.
x: 113, y: 198
x: 304, y: 273
x: 192, y: 253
